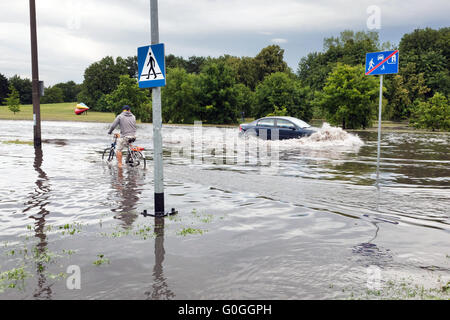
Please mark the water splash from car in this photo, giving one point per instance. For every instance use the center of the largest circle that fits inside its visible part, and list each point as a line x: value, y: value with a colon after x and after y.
x: 329, y: 136
x: 326, y: 137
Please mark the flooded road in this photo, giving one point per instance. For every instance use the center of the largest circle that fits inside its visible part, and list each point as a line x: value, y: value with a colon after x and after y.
x: 293, y: 219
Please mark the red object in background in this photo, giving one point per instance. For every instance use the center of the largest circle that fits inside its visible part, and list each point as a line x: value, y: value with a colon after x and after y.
x: 80, y: 111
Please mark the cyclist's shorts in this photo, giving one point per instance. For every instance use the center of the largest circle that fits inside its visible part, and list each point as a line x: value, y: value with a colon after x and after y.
x: 122, y: 142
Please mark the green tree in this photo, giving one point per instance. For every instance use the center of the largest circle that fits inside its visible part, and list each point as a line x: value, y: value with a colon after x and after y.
x: 4, y: 88
x: 173, y: 62
x: 70, y: 90
x: 13, y: 99
x: 178, y: 97
x: 280, y: 90
x: 247, y: 72
x: 348, y: 48
x: 428, y: 50
x: 101, y: 78
x: 415, y: 83
x: 278, y: 112
x: 129, y: 93
x: 217, y: 94
x: 398, y: 106
x: 432, y: 114
x: 245, y: 100
x: 313, y: 70
x: 128, y: 66
x: 24, y: 87
x: 193, y: 64
x: 351, y: 47
x: 53, y: 95
x: 270, y: 60
x: 349, y: 97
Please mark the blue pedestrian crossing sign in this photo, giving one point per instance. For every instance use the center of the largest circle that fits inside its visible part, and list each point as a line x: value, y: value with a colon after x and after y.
x: 151, y: 66
x: 385, y: 62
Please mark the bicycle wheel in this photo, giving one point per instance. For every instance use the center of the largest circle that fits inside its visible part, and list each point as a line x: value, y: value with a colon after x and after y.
x: 136, y: 158
x: 108, y: 154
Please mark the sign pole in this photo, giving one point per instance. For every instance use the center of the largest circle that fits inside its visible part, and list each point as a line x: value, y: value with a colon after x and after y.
x: 379, y: 127
x: 35, y: 77
x: 157, y: 122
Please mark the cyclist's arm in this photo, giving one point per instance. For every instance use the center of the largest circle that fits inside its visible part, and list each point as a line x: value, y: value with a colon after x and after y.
x: 114, y: 124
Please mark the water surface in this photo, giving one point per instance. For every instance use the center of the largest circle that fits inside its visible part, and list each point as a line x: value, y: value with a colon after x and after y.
x: 308, y: 226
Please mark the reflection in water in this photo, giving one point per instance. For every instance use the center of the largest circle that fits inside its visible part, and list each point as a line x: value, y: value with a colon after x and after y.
x: 128, y: 191
x: 160, y: 290
x: 373, y: 255
x: 39, y: 200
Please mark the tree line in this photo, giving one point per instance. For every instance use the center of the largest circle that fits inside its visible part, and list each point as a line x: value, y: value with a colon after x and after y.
x: 61, y: 92
x: 329, y: 84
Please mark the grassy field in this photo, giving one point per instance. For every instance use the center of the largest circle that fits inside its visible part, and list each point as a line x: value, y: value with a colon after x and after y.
x: 56, y: 112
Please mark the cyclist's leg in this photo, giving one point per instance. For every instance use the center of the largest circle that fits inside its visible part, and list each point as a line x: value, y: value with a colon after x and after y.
x: 119, y: 148
x: 119, y: 158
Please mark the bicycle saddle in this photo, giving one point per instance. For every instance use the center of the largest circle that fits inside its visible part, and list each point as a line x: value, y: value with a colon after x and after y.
x: 131, y: 140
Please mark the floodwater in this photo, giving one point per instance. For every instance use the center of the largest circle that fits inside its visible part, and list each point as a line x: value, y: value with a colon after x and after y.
x: 294, y: 219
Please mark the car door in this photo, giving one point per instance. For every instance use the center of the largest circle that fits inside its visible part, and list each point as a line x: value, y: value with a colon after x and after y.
x: 265, y: 127
x: 287, y: 130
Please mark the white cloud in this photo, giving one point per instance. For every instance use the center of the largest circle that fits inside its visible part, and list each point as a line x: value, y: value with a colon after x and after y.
x: 74, y: 33
x: 279, y: 40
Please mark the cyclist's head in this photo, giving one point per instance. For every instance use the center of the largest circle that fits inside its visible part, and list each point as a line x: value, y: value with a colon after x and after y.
x: 127, y: 108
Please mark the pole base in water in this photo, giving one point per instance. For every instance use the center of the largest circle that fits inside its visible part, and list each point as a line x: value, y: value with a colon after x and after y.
x: 160, y: 214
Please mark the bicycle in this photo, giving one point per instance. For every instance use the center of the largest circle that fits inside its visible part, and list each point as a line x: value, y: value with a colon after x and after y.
x: 134, y: 155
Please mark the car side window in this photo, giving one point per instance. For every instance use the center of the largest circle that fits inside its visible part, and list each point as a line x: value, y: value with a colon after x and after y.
x: 266, y: 122
x: 285, y: 124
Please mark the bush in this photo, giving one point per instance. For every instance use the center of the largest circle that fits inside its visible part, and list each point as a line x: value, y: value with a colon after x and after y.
x: 53, y: 95
x: 129, y: 93
x: 278, y: 112
x: 280, y: 89
x: 349, y: 97
x: 432, y: 114
x: 217, y: 93
x: 178, y: 98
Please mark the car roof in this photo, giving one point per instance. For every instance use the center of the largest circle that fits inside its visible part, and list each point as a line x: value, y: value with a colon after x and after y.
x: 279, y: 117
x: 292, y: 119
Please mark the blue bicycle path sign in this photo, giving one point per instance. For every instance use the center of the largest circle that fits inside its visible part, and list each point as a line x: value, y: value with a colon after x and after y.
x: 384, y: 62
x: 151, y: 66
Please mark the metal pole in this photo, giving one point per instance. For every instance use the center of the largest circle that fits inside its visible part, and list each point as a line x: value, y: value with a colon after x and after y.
x: 379, y: 128
x: 157, y: 122
x: 35, y: 77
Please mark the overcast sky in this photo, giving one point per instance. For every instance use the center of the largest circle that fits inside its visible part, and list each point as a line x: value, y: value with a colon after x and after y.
x: 75, y: 33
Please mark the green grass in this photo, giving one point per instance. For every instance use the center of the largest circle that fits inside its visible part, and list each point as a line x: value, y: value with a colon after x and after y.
x: 186, y: 231
x: 101, y: 260
x: 56, y: 112
x: 17, y: 141
x: 14, y: 278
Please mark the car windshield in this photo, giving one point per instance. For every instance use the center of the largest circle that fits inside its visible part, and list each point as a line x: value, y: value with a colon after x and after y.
x: 299, y: 123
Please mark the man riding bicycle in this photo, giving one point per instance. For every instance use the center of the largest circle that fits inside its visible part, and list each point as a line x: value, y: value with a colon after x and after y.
x: 127, y: 122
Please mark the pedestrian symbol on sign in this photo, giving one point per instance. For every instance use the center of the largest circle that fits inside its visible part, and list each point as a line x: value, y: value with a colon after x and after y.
x: 152, y: 63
